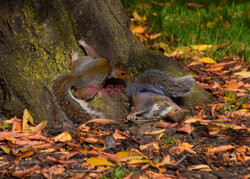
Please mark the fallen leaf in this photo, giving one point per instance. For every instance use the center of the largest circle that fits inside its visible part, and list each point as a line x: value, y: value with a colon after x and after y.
x: 123, y: 154
x: 202, y: 47
x: 5, y: 149
x: 194, y: 5
x: 119, y: 135
x: 154, y: 36
x: 244, y: 74
x: 137, y: 29
x: 220, y: 149
x: 206, y: 60
x: 136, y: 16
x: 138, y: 161
x: 150, y: 146
x: 26, y: 117
x: 99, y: 161
x: 102, y: 121
x: 200, y: 167
x: 40, y: 126
x: 154, y: 132
x: 187, y: 128
x: 63, y: 137
x: 26, y: 154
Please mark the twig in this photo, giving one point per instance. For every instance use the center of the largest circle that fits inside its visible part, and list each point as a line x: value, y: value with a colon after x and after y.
x: 181, y: 160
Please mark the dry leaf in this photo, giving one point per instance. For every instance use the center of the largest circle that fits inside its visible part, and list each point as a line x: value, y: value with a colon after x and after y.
x: 200, y: 167
x: 99, y: 161
x: 102, y: 121
x: 138, y: 161
x: 137, y: 29
x: 220, y: 149
x: 151, y: 146
x: 194, y: 5
x: 154, y: 132
x: 187, y: 128
x: 244, y: 74
x: 26, y: 117
x: 202, y: 47
x: 26, y: 154
x: 119, y: 135
x: 123, y: 154
x: 40, y: 126
x: 136, y: 16
x: 63, y: 137
x: 5, y: 149
x: 206, y: 60
x: 154, y: 36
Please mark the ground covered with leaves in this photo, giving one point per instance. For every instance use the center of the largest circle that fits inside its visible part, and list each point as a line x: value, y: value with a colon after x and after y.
x: 214, y: 143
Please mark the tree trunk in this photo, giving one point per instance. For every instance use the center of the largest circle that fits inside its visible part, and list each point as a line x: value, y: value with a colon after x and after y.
x: 36, y: 38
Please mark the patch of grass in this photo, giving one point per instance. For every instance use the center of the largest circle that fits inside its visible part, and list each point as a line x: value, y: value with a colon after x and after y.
x: 116, y: 173
x: 5, y: 127
x: 217, y: 22
x: 169, y: 141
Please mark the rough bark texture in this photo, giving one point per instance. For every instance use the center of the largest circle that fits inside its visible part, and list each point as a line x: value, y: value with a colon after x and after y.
x: 36, y: 38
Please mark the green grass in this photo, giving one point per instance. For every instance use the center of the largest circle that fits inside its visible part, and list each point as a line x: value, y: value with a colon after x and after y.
x: 116, y: 173
x: 219, y: 21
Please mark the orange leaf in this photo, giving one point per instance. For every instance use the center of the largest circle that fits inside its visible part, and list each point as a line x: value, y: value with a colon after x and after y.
x: 99, y: 161
x: 63, y: 137
x: 40, y: 126
x: 137, y: 29
x: 187, y: 128
x: 26, y: 154
x: 102, y: 121
x: 220, y: 149
x: 119, y: 135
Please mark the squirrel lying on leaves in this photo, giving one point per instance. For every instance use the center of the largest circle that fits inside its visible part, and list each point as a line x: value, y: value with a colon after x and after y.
x: 152, y: 98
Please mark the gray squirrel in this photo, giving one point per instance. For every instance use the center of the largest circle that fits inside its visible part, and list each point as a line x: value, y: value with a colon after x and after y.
x: 152, y: 94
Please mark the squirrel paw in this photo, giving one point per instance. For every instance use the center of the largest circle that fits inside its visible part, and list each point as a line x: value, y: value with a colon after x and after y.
x: 74, y: 56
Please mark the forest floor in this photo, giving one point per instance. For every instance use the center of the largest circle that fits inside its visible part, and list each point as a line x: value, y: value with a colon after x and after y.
x: 213, y: 143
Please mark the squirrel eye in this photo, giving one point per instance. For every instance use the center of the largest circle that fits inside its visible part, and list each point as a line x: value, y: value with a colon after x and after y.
x: 122, y: 73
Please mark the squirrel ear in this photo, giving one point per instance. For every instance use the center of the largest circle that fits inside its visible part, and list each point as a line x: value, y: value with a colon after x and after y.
x: 118, y: 62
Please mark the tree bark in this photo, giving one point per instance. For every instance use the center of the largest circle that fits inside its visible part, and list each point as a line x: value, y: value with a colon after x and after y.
x: 36, y: 38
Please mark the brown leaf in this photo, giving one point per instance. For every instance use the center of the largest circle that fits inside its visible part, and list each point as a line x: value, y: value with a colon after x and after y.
x: 119, y: 135
x: 154, y: 36
x: 26, y: 173
x: 187, y: 128
x: 200, y: 167
x: 26, y: 154
x: 220, y: 149
x: 194, y: 5
x: 40, y: 127
x: 154, y: 132
x: 26, y: 118
x: 102, y: 121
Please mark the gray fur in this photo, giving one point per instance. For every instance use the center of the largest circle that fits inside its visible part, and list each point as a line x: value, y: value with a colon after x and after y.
x: 173, y: 87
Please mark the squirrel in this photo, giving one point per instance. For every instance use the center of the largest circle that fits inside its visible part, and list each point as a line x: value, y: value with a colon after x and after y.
x: 153, y: 94
x: 85, y: 70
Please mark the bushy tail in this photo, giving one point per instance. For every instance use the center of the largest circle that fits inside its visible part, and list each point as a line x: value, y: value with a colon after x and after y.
x: 172, y: 87
x: 77, y: 110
